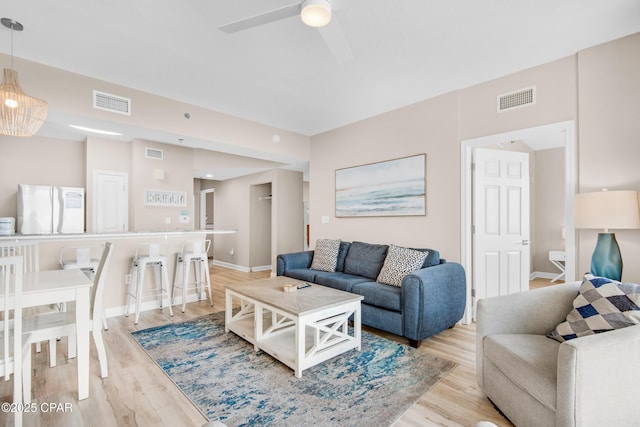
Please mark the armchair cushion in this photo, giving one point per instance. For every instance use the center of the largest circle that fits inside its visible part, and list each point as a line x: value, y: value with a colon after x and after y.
x: 398, y: 263
x: 325, y: 255
x: 527, y: 360
x: 602, y: 305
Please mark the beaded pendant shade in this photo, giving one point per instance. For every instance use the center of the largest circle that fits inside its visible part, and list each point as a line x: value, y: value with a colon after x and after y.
x: 20, y: 114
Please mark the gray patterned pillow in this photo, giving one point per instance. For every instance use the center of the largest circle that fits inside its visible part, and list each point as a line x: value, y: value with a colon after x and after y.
x: 325, y: 255
x: 398, y: 263
x: 601, y: 305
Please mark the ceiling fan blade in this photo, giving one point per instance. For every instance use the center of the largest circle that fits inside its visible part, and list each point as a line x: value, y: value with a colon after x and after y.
x: 336, y: 41
x: 262, y: 18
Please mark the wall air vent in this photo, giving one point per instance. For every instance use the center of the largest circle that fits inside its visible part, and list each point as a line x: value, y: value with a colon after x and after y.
x: 113, y: 103
x: 518, y: 99
x: 153, y: 153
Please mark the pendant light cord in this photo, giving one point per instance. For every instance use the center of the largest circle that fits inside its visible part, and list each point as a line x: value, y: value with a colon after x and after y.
x: 12, y: 47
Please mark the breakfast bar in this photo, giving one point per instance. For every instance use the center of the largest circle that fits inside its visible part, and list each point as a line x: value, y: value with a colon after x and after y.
x: 115, y: 296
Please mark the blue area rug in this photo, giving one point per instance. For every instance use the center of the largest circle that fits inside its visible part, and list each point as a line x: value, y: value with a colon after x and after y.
x: 222, y: 375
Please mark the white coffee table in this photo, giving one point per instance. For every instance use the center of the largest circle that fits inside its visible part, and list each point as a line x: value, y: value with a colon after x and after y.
x: 301, y: 328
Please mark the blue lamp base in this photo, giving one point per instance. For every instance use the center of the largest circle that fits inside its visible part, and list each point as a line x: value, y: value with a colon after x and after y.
x: 607, y: 260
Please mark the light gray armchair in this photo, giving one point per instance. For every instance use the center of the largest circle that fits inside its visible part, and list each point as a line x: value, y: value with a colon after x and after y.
x: 536, y: 381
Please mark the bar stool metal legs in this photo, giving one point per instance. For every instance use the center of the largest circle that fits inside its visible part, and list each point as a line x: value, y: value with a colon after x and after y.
x: 195, y: 252
x: 148, y: 255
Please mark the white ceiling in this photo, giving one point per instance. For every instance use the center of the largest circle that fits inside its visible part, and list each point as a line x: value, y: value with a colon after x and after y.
x: 282, y: 74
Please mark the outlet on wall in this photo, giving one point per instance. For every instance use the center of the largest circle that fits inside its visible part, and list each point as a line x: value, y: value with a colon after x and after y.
x: 127, y: 279
x: 232, y: 252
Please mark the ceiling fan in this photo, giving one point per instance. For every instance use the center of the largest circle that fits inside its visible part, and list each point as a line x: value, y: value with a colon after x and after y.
x: 314, y: 13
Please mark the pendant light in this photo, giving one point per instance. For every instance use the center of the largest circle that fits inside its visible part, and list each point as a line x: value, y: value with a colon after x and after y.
x: 20, y: 114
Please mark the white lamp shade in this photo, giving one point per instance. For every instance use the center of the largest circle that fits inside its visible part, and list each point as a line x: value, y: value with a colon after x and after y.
x: 607, y: 209
x: 315, y: 13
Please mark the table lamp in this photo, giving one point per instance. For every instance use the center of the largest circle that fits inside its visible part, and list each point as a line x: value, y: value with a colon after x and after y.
x: 607, y: 210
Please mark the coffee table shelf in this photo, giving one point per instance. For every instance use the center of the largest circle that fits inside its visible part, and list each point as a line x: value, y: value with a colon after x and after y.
x: 300, y: 329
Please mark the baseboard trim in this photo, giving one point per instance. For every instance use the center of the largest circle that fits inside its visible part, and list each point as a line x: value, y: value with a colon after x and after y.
x: 261, y: 268
x: 542, y: 275
x: 231, y: 266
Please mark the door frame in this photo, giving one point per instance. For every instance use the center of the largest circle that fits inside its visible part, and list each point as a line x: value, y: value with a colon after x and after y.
x: 466, y: 214
x: 203, y: 206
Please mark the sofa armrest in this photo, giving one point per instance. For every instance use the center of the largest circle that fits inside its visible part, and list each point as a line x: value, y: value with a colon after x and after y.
x: 536, y: 312
x: 433, y: 299
x: 598, y: 377
x: 292, y: 261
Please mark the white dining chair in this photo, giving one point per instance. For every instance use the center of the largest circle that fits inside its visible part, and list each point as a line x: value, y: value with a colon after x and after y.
x: 50, y: 326
x: 28, y: 250
x: 11, y: 270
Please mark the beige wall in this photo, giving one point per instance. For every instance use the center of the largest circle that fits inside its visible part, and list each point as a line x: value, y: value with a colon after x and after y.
x: 104, y: 155
x: 260, y: 225
x: 609, y: 132
x: 39, y: 161
x: 70, y: 95
x: 598, y: 87
x: 177, y: 177
x: 236, y: 207
x: 429, y: 127
x: 549, y: 207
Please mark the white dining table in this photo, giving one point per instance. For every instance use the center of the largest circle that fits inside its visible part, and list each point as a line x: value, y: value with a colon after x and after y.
x: 58, y: 286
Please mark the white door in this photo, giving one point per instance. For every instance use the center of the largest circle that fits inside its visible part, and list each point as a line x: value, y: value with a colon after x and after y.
x: 110, y: 202
x: 501, y: 257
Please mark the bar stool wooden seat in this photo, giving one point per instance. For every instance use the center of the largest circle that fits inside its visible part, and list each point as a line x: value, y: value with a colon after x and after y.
x: 196, y: 252
x: 148, y: 255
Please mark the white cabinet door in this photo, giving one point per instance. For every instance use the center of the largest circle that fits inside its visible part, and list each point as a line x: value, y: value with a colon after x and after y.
x: 110, y: 202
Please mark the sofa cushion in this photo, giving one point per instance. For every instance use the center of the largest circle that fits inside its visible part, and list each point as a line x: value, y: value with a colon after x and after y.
x: 304, y: 274
x: 398, y: 263
x: 325, y: 255
x: 527, y: 360
x: 365, y: 259
x: 602, y: 305
x: 433, y: 257
x: 342, y: 255
x: 379, y: 295
x: 340, y: 281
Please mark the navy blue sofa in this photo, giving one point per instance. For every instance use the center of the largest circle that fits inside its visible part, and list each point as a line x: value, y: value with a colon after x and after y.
x: 429, y: 301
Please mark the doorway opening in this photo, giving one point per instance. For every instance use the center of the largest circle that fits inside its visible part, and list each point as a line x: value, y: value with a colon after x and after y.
x: 565, y: 131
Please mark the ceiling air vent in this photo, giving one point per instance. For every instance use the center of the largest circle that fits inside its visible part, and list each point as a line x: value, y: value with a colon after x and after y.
x: 517, y: 99
x: 113, y: 103
x: 153, y: 153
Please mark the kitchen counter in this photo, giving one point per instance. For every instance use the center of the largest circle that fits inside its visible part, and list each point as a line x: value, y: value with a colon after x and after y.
x: 106, y: 236
x: 124, y: 250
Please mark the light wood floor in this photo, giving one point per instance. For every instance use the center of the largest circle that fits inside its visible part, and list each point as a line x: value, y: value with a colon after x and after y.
x: 138, y: 393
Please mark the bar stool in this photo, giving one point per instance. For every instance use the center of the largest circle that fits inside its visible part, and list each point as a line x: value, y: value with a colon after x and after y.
x: 197, y: 252
x: 81, y: 257
x: 148, y: 255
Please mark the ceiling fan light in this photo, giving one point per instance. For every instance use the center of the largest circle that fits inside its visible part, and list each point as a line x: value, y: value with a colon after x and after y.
x: 315, y: 13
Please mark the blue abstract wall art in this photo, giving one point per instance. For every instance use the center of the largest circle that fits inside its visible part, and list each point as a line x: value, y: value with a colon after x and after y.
x: 390, y: 188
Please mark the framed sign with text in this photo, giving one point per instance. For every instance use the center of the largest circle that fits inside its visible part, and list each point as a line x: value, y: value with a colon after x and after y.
x: 165, y: 198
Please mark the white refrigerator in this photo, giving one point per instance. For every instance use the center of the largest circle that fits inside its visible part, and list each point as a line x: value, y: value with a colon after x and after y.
x: 44, y: 209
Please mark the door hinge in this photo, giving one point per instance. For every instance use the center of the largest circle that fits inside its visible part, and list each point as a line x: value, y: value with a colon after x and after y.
x: 473, y: 293
x: 473, y: 229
